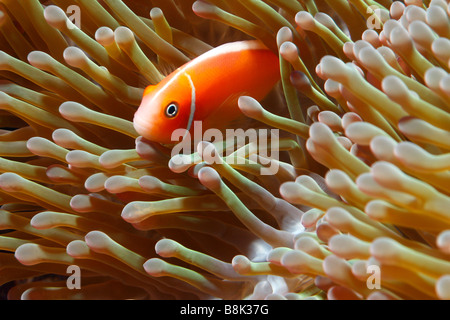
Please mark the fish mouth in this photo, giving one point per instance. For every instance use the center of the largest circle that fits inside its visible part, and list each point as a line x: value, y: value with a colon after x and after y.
x: 146, y: 129
x: 140, y: 127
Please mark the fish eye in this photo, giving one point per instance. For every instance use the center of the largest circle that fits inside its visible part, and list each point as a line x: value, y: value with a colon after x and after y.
x: 172, y: 110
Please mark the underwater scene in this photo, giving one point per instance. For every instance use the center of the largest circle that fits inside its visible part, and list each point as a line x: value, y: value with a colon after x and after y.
x: 224, y: 150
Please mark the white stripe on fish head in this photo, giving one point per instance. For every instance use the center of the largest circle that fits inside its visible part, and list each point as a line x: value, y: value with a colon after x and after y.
x: 192, y: 110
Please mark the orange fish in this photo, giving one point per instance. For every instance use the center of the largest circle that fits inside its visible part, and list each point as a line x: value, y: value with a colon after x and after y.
x: 207, y: 89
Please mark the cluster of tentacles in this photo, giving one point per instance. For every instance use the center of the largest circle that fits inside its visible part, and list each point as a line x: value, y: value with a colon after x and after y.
x: 357, y: 209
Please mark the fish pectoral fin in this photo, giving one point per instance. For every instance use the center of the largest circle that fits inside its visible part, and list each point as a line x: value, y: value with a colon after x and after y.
x: 244, y: 122
x: 222, y: 115
x: 229, y: 108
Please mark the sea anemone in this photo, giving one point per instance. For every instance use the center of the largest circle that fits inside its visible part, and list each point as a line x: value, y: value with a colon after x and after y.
x: 356, y: 210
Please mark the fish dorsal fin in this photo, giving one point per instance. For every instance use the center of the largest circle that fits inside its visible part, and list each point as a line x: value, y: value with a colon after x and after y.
x: 149, y: 89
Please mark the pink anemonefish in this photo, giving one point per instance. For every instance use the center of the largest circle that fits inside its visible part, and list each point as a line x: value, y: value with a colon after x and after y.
x: 207, y: 89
